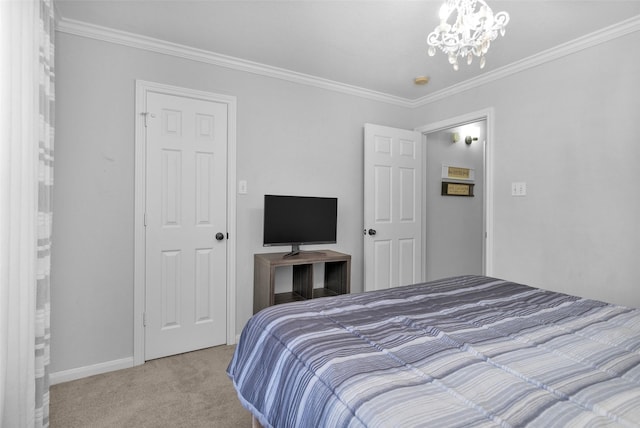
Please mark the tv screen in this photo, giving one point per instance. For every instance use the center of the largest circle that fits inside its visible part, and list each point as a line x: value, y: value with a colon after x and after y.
x: 299, y: 220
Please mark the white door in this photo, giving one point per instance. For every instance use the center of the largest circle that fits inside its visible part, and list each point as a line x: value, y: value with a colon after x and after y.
x: 186, y: 161
x: 392, y: 207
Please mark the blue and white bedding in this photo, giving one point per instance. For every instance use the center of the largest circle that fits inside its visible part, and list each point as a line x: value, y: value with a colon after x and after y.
x: 464, y: 351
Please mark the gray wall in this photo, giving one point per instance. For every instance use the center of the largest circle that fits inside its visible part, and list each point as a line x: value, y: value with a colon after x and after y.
x: 454, y: 224
x: 569, y: 129
x: 291, y: 139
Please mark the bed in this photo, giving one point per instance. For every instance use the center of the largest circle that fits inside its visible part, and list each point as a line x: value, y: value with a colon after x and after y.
x: 458, y: 352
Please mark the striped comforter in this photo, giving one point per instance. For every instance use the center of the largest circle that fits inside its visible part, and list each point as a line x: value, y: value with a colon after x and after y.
x: 464, y: 351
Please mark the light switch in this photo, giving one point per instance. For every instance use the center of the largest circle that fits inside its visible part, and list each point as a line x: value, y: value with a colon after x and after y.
x: 519, y: 188
x: 242, y: 187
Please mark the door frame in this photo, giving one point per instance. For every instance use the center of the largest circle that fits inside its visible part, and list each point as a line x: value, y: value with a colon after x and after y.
x: 142, y: 89
x: 487, y: 202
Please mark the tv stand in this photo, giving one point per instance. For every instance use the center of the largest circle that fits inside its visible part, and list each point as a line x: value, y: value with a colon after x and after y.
x: 295, y: 250
x: 293, y: 254
x: 337, y: 276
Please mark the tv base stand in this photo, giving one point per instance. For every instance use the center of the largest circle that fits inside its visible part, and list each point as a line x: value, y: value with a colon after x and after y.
x: 293, y: 254
x: 337, y: 276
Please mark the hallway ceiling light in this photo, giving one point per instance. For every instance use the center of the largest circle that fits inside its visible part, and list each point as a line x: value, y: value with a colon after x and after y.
x: 473, y: 28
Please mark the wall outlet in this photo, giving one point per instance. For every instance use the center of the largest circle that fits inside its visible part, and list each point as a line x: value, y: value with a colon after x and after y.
x: 519, y: 189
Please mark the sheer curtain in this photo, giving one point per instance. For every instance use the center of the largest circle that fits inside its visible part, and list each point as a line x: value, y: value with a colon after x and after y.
x: 26, y: 179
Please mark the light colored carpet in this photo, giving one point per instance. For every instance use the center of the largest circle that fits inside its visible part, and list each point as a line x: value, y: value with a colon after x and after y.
x: 187, y: 390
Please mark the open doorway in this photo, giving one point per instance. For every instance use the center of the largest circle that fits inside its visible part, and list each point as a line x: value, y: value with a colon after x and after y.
x: 454, y: 243
x: 453, y: 221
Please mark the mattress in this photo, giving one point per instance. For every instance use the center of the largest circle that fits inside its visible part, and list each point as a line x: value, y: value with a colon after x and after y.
x: 458, y: 352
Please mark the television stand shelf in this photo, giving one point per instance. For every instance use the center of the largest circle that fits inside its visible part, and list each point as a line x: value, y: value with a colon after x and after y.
x: 337, y: 276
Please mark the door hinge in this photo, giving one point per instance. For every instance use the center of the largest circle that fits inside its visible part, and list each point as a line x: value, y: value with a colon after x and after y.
x: 146, y: 115
x: 144, y: 319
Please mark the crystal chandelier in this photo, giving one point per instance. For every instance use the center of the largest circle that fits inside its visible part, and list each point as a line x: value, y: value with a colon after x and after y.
x: 472, y: 32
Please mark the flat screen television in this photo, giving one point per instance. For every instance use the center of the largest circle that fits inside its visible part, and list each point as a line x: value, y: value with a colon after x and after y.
x: 299, y: 220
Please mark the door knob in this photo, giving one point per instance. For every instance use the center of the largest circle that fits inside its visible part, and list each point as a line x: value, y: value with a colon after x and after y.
x: 371, y: 232
x: 219, y: 236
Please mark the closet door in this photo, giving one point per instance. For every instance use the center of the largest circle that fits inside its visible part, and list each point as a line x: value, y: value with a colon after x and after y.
x: 392, y: 207
x: 186, y: 225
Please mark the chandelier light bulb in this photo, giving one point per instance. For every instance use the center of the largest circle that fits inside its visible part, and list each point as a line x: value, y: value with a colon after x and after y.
x: 466, y: 29
x: 444, y: 12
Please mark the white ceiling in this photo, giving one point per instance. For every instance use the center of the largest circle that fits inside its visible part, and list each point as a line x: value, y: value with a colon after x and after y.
x: 376, y: 45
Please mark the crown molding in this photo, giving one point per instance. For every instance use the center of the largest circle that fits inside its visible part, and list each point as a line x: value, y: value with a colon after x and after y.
x: 606, y: 34
x: 110, y: 35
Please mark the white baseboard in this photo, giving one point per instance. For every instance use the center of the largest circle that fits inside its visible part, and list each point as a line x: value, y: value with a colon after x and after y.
x: 86, y: 371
